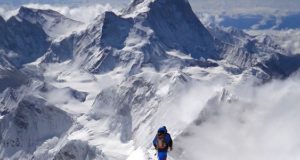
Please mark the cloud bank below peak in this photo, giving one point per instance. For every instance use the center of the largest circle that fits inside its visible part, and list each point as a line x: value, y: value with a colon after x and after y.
x: 84, y: 13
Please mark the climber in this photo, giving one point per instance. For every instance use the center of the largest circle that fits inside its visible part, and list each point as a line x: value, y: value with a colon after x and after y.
x: 162, y: 143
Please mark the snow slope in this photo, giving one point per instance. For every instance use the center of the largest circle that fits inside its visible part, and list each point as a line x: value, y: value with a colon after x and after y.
x: 53, y: 23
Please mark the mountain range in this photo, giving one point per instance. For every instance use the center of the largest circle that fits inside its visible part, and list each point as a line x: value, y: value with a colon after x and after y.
x: 99, y: 91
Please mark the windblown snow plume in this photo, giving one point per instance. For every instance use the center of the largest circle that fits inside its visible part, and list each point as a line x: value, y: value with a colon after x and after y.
x: 256, y: 124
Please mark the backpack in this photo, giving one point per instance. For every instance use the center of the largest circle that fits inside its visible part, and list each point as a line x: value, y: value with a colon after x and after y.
x: 161, y: 142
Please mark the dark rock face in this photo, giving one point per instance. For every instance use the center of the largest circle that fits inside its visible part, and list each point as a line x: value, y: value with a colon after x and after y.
x: 12, y: 78
x: 30, y: 123
x: 178, y: 27
x: 115, y: 30
x: 281, y: 66
x: 27, y: 36
x: 26, y: 40
x: 78, y: 150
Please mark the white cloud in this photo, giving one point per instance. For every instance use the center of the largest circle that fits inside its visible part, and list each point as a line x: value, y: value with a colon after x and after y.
x: 287, y: 39
x: 81, y: 13
x: 249, y: 6
x: 7, y: 12
x: 84, y: 13
x: 263, y: 124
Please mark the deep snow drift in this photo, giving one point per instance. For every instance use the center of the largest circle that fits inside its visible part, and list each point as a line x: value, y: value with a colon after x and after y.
x: 101, y: 92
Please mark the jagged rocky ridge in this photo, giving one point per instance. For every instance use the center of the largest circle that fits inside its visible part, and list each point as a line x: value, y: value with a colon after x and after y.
x: 52, y: 22
x: 159, y: 31
x: 21, y: 41
x: 28, y: 35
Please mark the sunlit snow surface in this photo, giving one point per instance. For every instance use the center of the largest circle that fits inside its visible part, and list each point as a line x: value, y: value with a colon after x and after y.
x: 188, y: 104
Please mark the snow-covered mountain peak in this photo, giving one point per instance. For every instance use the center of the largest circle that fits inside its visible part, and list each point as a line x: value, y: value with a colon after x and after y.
x: 177, y: 26
x: 52, y: 22
x: 136, y: 39
x: 139, y: 6
x: 136, y: 7
x: 27, y: 13
x: 21, y: 41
